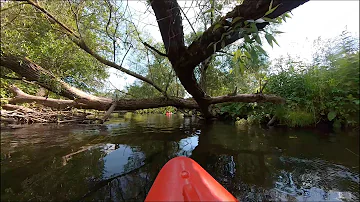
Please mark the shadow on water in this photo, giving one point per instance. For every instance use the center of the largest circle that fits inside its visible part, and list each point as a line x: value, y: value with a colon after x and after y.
x: 119, y: 161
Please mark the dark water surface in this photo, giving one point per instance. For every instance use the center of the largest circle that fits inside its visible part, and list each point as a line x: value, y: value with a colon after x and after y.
x: 120, y: 160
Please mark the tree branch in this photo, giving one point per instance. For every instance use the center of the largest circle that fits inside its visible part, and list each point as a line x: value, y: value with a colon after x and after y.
x: 168, y: 16
x: 248, y: 98
x: 187, y: 19
x: 201, y: 49
x: 12, y: 78
x: 104, y: 103
x: 79, y: 42
x: 154, y: 49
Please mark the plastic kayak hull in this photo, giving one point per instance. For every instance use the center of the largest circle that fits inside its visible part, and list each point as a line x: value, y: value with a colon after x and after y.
x: 182, y: 179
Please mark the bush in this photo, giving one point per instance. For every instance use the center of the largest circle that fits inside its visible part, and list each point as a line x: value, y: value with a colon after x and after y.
x: 325, y: 90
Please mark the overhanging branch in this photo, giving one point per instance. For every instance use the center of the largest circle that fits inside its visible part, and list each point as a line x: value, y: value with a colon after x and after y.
x: 154, y: 49
x: 81, y: 43
x: 201, y: 48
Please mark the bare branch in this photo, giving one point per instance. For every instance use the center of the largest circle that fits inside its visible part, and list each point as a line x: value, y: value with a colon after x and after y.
x: 154, y: 49
x: 188, y: 20
x: 125, y: 56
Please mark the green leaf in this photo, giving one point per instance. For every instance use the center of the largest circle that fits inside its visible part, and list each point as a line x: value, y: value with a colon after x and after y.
x: 253, y: 27
x: 287, y: 15
x: 275, y: 40
x: 247, y: 54
x: 270, y: 20
x: 247, y: 38
x: 269, y: 38
x: 242, y: 68
x: 270, y: 6
x: 208, y: 11
x: 259, y: 48
x: 248, y: 30
x: 271, y: 10
x: 257, y: 38
x: 225, y: 34
x: 237, y: 26
x: 217, y: 26
x: 278, y: 32
x: 253, y: 54
x: 331, y: 115
x: 235, y: 20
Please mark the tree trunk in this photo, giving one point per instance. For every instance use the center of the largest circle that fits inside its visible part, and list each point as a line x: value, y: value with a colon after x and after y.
x: 203, y: 68
x: 103, y: 104
x: 184, y: 60
x: 79, y: 99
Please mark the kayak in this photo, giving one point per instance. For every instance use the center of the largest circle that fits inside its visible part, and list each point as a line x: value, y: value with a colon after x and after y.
x: 182, y: 179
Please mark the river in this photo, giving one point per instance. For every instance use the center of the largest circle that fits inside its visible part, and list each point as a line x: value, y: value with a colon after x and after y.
x: 118, y: 161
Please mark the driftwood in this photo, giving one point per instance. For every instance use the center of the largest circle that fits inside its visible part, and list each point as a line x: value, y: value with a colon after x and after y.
x: 14, y: 114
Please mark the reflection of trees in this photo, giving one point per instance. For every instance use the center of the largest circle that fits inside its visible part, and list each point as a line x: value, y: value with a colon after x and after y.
x: 140, y: 172
x: 54, y: 182
x: 244, y: 162
x: 248, y: 166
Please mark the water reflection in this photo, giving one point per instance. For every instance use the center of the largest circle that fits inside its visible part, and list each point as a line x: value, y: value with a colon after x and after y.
x: 120, y: 161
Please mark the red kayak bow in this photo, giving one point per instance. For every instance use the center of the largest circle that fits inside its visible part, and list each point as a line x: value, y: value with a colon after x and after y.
x: 182, y: 179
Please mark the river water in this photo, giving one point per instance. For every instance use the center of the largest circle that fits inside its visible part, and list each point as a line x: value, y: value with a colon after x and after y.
x: 119, y: 161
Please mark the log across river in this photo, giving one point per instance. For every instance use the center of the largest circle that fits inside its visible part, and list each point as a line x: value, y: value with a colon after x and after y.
x: 120, y: 159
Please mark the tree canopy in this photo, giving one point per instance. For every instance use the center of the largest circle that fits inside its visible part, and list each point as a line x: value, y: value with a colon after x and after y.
x: 68, y: 46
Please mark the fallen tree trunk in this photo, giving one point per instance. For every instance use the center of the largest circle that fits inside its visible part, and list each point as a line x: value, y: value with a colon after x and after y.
x: 82, y: 100
x: 16, y: 107
x: 21, y: 97
x: 135, y: 104
x: 104, y: 104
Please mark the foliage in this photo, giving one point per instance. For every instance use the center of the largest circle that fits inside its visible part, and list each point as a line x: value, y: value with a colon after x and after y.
x: 326, y: 90
x: 160, y: 110
x: 25, y: 32
x: 160, y: 72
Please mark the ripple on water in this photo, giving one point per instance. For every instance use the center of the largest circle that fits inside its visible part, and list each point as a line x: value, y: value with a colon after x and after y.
x: 316, y: 180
